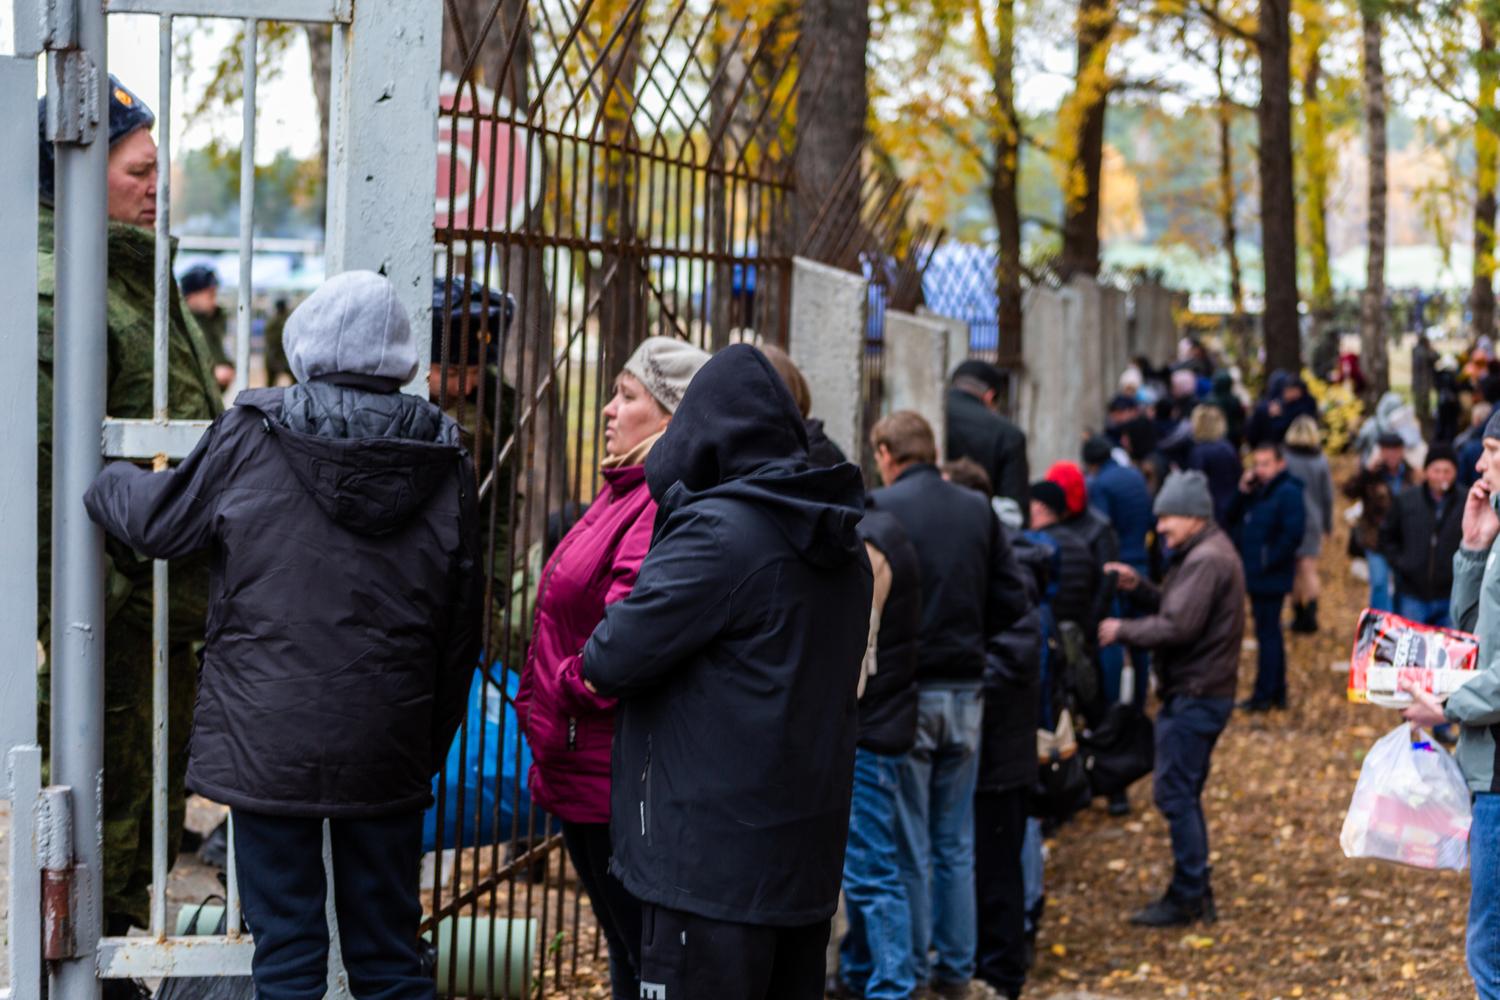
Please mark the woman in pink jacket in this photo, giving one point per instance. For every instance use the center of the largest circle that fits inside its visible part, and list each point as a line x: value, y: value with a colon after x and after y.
x: 570, y: 729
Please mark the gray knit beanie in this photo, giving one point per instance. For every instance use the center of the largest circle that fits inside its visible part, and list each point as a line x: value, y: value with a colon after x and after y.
x: 665, y: 366
x: 1184, y: 494
x: 352, y: 325
x: 1492, y: 426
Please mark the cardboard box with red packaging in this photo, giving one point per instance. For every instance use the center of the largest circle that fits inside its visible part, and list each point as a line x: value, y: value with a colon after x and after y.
x: 1390, y: 651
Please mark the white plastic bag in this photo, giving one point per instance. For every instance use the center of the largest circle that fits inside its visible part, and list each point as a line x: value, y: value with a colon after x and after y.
x: 1411, y: 805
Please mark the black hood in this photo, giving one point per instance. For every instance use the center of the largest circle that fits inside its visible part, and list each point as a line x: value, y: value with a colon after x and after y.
x: 370, y: 459
x: 738, y: 434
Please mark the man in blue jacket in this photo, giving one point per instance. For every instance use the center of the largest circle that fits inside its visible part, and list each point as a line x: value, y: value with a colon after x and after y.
x: 1120, y: 493
x: 1267, y: 520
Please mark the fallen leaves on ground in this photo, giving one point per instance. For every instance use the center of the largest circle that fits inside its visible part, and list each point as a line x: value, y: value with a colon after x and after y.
x: 1297, y: 918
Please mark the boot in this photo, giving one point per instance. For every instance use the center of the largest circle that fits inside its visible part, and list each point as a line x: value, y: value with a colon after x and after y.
x: 1171, y: 911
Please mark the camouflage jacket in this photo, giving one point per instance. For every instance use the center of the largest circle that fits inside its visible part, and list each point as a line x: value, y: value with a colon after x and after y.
x: 215, y: 326
x: 192, y: 395
x: 276, y: 363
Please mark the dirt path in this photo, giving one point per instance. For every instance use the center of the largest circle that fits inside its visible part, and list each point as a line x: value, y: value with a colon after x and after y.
x: 1298, y: 919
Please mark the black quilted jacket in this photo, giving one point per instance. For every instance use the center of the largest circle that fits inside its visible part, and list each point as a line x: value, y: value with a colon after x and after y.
x: 343, y: 625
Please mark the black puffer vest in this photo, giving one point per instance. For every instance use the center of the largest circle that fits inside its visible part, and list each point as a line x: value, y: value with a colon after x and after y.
x: 888, y: 710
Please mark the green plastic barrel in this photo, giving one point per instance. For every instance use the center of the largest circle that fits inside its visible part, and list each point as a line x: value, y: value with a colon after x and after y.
x: 488, y: 941
x: 458, y: 939
x: 192, y: 920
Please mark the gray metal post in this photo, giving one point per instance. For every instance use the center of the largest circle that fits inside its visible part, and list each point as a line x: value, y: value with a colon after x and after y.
x: 18, y: 551
x: 18, y: 390
x: 383, y: 172
x: 78, y: 84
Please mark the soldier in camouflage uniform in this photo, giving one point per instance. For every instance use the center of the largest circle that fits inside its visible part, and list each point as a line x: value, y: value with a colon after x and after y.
x: 192, y: 395
x: 278, y: 372
x: 474, y: 333
x: 200, y: 293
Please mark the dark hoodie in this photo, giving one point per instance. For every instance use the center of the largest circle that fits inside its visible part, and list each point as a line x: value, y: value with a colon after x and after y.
x: 344, y: 623
x: 736, y: 660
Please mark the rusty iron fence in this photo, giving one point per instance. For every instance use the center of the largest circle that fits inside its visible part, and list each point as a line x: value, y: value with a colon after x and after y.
x: 620, y: 170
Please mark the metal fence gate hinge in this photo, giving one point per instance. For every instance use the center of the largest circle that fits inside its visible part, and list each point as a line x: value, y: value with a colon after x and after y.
x: 54, y: 833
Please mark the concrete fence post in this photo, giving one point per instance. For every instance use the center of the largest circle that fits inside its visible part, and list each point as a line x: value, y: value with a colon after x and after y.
x: 916, y: 366
x: 827, y: 341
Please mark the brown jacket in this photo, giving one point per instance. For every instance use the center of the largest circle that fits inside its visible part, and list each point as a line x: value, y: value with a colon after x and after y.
x: 1199, y: 620
x: 1372, y: 489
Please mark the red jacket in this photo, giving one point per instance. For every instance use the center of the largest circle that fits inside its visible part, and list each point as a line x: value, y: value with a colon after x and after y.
x: 570, y: 728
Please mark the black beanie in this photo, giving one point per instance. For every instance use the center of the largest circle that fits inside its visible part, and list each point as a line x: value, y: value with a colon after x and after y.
x: 1441, y: 452
x: 981, y: 371
x: 127, y: 113
x: 1096, y: 450
x: 1050, y: 495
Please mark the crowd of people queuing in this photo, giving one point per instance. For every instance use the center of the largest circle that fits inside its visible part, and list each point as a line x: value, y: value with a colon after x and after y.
x: 754, y: 684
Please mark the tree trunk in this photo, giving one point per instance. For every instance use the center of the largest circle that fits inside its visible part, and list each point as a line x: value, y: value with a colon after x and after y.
x: 1083, y: 118
x: 1005, y: 187
x: 622, y: 303
x: 1315, y: 157
x: 1487, y: 153
x: 1277, y: 197
x: 832, y: 104
x: 1375, y: 357
x: 1228, y: 195
x: 320, y: 54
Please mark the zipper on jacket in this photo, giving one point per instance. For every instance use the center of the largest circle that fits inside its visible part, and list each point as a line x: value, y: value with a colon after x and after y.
x: 646, y: 795
x: 572, y: 733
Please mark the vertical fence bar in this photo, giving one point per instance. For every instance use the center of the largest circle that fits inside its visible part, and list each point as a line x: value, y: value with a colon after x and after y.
x: 79, y: 392
x: 231, y: 887
x: 247, y: 215
x: 159, y: 362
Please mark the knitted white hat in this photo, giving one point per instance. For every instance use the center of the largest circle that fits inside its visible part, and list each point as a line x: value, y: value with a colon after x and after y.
x: 665, y: 366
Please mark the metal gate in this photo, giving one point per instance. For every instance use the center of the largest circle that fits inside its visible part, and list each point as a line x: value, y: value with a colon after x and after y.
x: 652, y: 191
x: 379, y: 206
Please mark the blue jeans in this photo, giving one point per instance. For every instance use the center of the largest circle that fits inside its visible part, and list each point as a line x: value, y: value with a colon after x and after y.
x: 935, y: 826
x: 1380, y: 582
x: 1186, y: 731
x: 875, y: 956
x: 1033, y: 872
x: 1270, y: 674
x: 1484, y: 899
x: 1426, y: 612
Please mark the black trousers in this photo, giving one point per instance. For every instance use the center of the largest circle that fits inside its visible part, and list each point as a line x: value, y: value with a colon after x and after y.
x: 618, y: 912
x: 999, y: 832
x: 688, y: 957
x: 375, y: 878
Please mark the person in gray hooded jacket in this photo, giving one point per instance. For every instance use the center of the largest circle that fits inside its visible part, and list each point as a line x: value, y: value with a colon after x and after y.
x: 340, y: 522
x: 1475, y: 607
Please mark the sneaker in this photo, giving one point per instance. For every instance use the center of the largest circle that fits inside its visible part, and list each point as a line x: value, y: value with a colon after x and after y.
x: 1170, y: 911
x: 940, y: 990
x: 834, y: 988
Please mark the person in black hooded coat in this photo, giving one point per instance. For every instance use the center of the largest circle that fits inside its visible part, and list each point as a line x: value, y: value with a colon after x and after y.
x: 341, y: 525
x: 736, y: 662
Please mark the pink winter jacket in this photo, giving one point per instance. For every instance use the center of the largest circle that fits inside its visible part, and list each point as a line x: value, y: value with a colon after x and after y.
x: 570, y: 728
